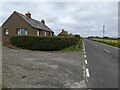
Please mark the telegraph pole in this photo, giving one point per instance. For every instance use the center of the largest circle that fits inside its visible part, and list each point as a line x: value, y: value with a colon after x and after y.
x: 103, y: 31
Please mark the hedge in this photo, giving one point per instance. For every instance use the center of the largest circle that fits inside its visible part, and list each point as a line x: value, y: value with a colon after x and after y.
x: 49, y: 43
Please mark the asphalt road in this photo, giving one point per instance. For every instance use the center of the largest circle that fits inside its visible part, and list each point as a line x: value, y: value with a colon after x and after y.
x: 38, y: 69
x: 102, y: 65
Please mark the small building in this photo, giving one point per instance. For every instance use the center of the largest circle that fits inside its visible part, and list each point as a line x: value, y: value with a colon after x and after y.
x: 19, y: 24
x: 63, y: 33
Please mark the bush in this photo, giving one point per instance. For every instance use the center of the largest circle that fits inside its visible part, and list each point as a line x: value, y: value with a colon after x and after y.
x: 77, y: 35
x: 50, y: 43
x: 75, y: 48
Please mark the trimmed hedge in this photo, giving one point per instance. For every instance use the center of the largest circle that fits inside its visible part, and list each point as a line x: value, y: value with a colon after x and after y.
x: 50, y: 43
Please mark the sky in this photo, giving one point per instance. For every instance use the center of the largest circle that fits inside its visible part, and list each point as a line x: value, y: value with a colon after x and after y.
x: 84, y: 18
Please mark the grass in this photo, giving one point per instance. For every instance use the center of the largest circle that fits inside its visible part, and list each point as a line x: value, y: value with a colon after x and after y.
x: 74, y: 48
x: 115, y: 43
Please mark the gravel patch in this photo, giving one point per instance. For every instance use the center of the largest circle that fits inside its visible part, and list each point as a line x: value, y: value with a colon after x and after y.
x: 38, y: 69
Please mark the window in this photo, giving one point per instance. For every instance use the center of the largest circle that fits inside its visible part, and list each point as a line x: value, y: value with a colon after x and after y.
x: 45, y: 33
x: 21, y: 31
x: 6, y: 32
x: 38, y: 32
x: 51, y: 34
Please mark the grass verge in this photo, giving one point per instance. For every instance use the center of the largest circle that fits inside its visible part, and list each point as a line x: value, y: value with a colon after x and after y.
x: 74, y: 48
x: 115, y: 43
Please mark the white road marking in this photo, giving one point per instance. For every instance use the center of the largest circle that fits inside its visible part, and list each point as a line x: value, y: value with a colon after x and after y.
x: 83, y: 46
x: 86, y: 62
x: 85, y: 56
x: 84, y: 52
x: 84, y: 74
x: 83, y: 67
x: 86, y: 79
x: 106, y: 50
x: 87, y: 72
x: 84, y: 49
x: 96, y: 45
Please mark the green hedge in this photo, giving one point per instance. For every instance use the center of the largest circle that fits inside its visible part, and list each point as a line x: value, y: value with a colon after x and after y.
x: 51, y: 43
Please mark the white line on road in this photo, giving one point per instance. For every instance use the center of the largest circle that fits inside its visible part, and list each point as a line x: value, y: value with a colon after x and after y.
x: 87, y: 72
x: 96, y: 45
x: 85, y: 56
x: 86, y: 62
x: 83, y: 67
x: 106, y: 50
x: 83, y: 46
x: 84, y: 52
x: 84, y: 74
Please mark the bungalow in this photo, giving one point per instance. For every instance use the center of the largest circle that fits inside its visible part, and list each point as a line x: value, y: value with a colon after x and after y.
x: 63, y: 33
x: 19, y: 24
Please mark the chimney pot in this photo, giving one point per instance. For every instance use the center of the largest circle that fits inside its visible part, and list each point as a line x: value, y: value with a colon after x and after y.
x: 63, y: 30
x: 43, y: 21
x: 28, y: 15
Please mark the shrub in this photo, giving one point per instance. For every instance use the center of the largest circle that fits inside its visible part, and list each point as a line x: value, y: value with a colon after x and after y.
x: 77, y: 35
x: 50, y: 43
x: 73, y: 48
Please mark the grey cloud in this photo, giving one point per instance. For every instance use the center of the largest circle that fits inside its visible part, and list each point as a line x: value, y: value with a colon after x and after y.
x: 84, y: 18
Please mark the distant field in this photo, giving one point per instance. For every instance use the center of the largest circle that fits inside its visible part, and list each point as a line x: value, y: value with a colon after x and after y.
x: 115, y: 43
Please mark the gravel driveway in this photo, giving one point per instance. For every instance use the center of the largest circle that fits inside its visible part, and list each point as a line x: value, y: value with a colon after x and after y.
x: 0, y: 65
x: 39, y: 69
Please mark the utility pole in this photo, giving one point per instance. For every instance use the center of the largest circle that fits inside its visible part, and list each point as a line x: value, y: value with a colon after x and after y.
x: 103, y: 31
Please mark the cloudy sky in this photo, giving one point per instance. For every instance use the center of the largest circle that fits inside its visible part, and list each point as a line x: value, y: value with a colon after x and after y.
x: 84, y: 18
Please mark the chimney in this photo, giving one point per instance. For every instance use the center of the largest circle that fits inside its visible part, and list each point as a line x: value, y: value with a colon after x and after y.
x: 43, y: 21
x: 63, y: 30
x: 28, y: 15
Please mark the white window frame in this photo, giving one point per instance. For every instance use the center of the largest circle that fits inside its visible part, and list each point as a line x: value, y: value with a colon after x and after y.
x: 38, y: 32
x: 19, y: 31
x: 26, y: 32
x: 51, y: 34
x: 45, y: 33
x: 6, y: 32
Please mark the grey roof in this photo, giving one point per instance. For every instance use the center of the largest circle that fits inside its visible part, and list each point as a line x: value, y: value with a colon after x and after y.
x: 35, y: 23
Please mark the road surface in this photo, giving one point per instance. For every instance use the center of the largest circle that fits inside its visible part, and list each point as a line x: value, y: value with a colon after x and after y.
x: 38, y: 69
x: 102, y: 65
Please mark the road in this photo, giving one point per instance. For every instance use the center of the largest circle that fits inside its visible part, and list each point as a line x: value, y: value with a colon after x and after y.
x: 102, y: 63
x: 38, y: 69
